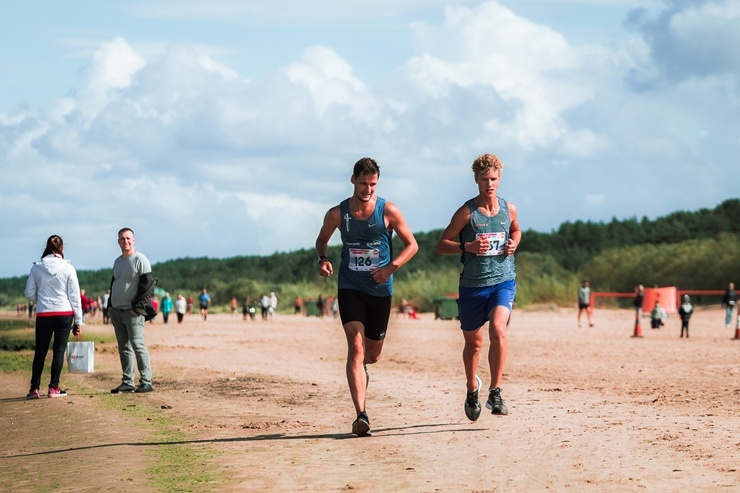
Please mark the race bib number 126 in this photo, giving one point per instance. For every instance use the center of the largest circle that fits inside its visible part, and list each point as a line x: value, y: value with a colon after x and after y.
x: 363, y: 259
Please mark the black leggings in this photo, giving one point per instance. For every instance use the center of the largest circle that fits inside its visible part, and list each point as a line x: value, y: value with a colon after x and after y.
x: 685, y: 327
x: 58, y: 326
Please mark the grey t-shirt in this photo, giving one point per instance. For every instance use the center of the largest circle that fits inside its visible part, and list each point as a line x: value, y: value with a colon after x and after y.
x: 126, y: 274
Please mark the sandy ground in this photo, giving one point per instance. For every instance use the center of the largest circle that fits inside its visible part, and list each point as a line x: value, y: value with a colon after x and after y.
x: 591, y: 409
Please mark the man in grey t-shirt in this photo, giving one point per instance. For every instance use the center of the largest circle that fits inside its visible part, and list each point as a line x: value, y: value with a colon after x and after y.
x: 131, y: 290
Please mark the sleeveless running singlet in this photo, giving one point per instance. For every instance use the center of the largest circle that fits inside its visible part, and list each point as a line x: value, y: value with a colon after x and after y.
x: 366, y: 245
x: 494, y: 266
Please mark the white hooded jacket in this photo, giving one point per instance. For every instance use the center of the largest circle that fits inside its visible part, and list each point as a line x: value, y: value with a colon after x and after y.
x: 53, y: 286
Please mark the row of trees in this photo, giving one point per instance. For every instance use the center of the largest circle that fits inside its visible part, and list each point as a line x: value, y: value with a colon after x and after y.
x: 696, y: 250
x: 573, y: 245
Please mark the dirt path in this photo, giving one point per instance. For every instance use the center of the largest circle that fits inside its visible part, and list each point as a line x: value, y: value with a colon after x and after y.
x: 591, y: 409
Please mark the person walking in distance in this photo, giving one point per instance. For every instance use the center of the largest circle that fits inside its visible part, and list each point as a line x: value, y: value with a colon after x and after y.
x: 52, y: 285
x: 167, y: 306
x: 104, y: 307
x: 366, y: 223
x: 180, y: 307
x: 265, y: 306
x: 584, y: 302
x: 130, y: 293
x: 273, y: 304
x: 485, y: 232
x: 205, y: 302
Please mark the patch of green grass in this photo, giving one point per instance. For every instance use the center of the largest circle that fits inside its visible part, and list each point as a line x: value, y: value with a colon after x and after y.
x: 16, y: 335
x: 179, y: 466
x: 14, y: 361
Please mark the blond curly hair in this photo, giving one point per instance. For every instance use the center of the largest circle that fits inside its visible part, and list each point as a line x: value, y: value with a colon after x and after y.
x: 486, y: 162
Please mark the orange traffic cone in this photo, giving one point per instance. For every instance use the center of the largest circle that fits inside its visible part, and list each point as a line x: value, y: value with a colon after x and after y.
x: 638, y: 329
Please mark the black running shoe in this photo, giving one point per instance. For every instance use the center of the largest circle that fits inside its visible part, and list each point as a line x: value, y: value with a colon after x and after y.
x: 472, y: 404
x: 361, y: 426
x: 143, y: 388
x: 123, y: 389
x: 495, y: 403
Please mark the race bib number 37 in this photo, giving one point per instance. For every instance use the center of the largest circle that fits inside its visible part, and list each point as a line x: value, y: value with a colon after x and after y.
x: 498, y: 243
x: 363, y: 259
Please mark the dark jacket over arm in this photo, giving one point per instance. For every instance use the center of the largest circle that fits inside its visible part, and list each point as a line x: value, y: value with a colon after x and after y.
x: 147, y: 282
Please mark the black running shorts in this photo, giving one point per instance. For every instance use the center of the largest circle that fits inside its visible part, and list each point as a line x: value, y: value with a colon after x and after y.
x: 372, y: 312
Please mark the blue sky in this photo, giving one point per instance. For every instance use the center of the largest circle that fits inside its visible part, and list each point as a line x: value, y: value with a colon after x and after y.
x: 227, y: 128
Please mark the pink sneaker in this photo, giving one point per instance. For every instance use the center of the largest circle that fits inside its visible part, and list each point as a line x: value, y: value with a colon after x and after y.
x: 57, y: 392
x: 33, y: 394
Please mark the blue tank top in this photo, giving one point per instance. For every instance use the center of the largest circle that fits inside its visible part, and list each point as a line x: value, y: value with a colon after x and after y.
x: 366, y: 245
x: 495, y: 267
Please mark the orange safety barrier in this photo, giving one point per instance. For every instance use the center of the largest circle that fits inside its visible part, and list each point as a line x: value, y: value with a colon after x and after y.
x: 667, y: 297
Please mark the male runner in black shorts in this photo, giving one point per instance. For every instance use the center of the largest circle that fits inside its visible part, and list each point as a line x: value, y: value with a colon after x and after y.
x: 366, y: 223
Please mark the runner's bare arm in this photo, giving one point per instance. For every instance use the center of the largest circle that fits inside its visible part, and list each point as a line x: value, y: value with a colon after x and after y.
x: 397, y: 223
x: 449, y: 241
x: 331, y: 223
x: 515, y: 232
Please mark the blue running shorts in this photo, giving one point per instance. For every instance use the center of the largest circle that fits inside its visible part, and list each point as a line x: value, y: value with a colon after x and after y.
x: 474, y: 305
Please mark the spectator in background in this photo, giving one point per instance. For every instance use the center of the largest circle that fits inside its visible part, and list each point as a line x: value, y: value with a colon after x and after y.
x: 245, y: 308
x: 205, y: 302
x: 685, y: 311
x: 52, y: 285
x: 234, y: 306
x: 584, y: 302
x: 104, y: 307
x: 181, y: 307
x: 265, y: 305
x: 729, y: 300
x: 321, y: 304
x: 166, y: 307
x: 298, y: 306
x: 657, y: 316
x: 638, y: 300
x: 335, y: 306
x: 85, y: 301
x: 189, y: 304
x: 273, y: 303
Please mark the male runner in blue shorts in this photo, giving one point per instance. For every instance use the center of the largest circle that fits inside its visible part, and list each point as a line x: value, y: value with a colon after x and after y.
x: 366, y: 223
x: 485, y: 233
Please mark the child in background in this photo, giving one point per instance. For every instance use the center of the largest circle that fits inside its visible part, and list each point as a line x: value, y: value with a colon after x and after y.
x: 685, y: 311
x: 657, y: 316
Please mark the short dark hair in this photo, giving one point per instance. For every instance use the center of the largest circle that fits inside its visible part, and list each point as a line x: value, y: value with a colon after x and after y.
x: 366, y: 166
x: 123, y: 230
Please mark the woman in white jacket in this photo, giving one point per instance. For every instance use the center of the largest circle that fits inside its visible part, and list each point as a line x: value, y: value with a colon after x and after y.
x: 52, y: 285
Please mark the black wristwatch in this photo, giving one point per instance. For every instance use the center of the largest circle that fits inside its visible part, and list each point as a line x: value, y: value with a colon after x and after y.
x: 322, y: 258
x: 462, y: 246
